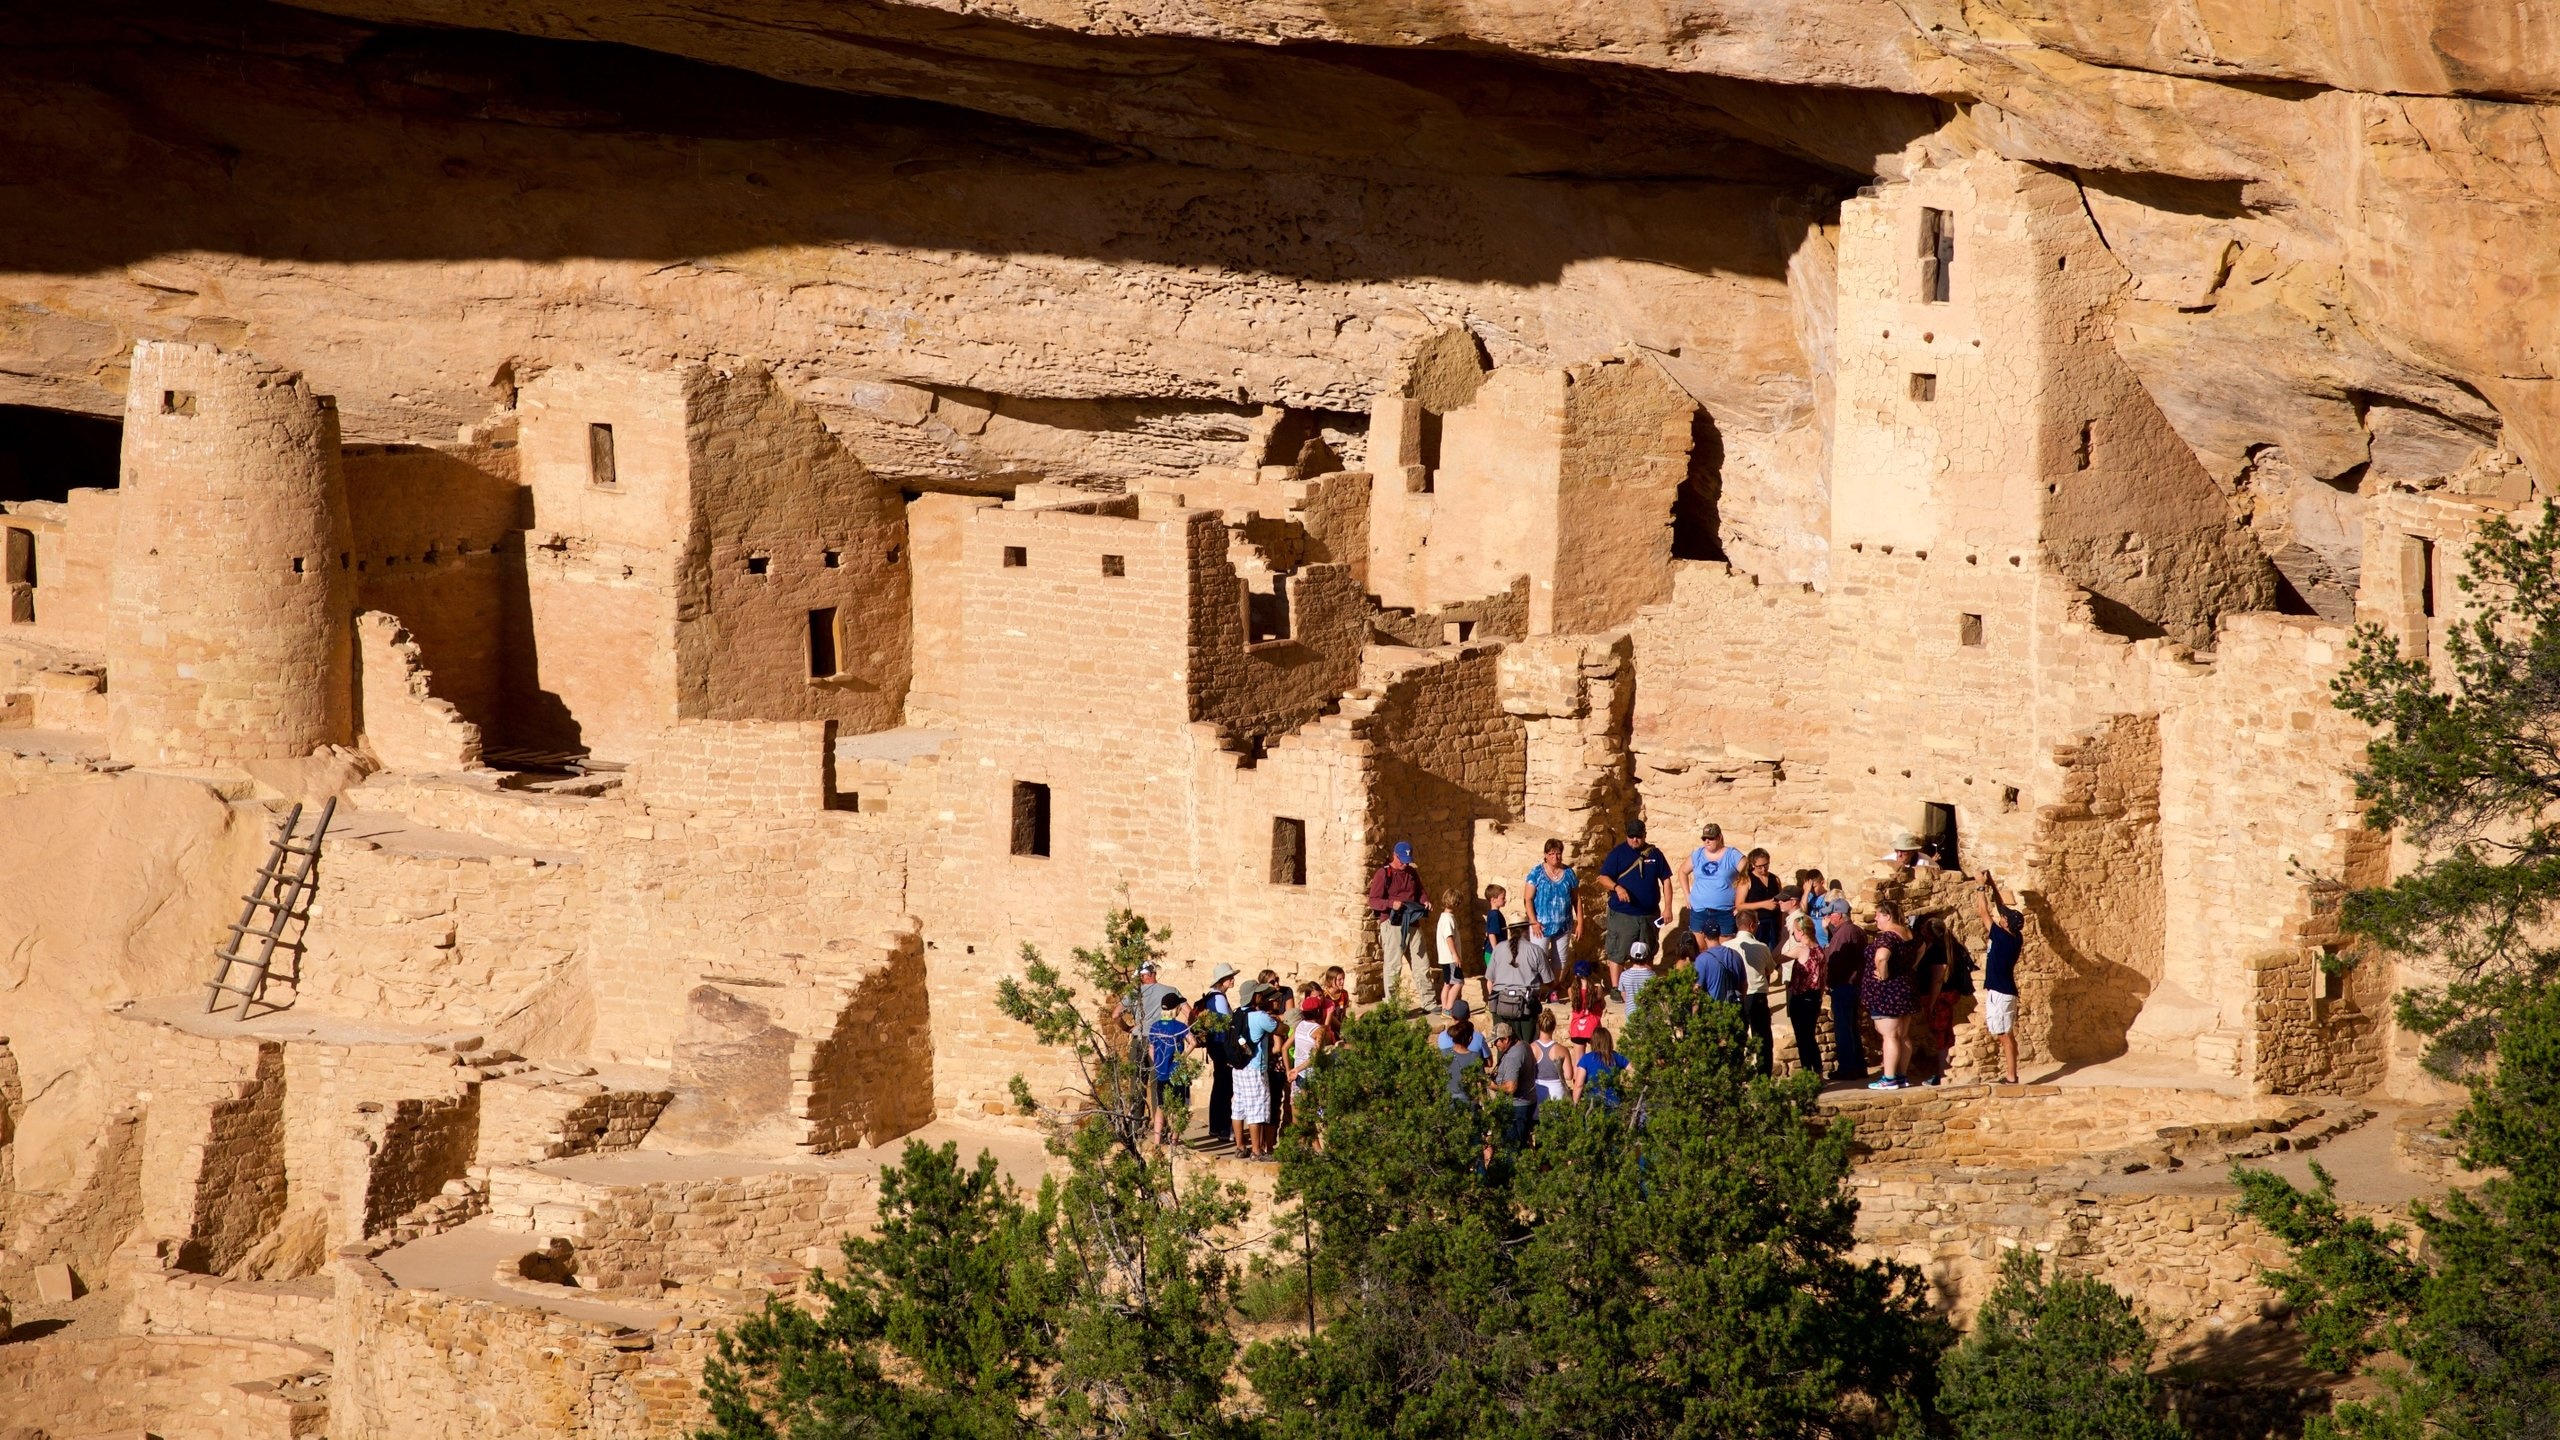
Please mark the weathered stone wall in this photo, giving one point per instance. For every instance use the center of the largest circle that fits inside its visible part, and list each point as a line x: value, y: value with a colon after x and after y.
x: 439, y: 546
x: 456, y: 938
x: 70, y: 546
x: 2092, y: 953
x: 403, y: 1152
x: 869, y: 1079
x: 642, y: 1235
x: 2029, y: 1127
x: 2189, y: 1262
x: 179, y: 1387
x: 420, y: 1365
x: 2259, y: 823
x: 750, y: 767
x: 525, y: 1118
x: 399, y: 717
x: 601, y: 562
x: 782, y: 520
x: 228, y: 633
x: 164, y: 1301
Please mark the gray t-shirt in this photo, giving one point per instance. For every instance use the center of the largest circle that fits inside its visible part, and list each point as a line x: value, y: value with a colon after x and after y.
x: 1514, y: 961
x: 1516, y: 1073
x: 1146, y: 1005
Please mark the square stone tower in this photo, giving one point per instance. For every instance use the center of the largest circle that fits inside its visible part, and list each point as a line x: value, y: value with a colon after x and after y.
x: 702, y: 547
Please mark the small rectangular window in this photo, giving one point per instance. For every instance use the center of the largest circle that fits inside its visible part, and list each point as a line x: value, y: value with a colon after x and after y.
x: 1030, y: 818
x: 177, y: 402
x: 2088, y: 442
x: 297, y: 564
x: 1016, y: 558
x: 2333, y: 983
x: 1457, y: 632
x: 2008, y: 798
x: 822, y: 644
x: 1937, y: 256
x: 759, y: 564
x: 2427, y: 578
x: 1924, y: 387
x: 831, y: 559
x: 600, y: 469
x: 21, y: 557
x: 1115, y: 566
x: 1969, y: 630
x: 1288, y: 851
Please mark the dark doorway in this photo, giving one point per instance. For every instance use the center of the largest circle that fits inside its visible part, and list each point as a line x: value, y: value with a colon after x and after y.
x: 1697, y: 524
x: 1938, y: 835
x: 822, y: 644
x: 47, y: 454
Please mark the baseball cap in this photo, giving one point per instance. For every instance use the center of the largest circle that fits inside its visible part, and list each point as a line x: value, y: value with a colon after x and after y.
x: 1312, y: 1005
x: 1635, y: 828
x: 1404, y: 852
x: 1458, y: 1010
x: 1638, y: 949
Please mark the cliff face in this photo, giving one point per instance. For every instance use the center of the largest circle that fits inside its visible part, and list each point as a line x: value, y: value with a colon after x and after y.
x: 1093, y: 240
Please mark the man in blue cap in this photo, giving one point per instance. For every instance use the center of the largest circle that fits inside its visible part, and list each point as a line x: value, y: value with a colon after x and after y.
x: 1396, y: 902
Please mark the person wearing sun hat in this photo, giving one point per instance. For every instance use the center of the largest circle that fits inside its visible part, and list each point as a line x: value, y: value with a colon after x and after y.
x: 1219, y: 1045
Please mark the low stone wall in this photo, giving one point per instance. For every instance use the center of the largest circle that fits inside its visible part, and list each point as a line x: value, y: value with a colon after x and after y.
x: 162, y: 1301
x: 638, y: 1236
x: 544, y: 1117
x: 2030, y: 1126
x: 423, y: 1365
x: 478, y: 807
x: 175, y: 1387
x: 2189, y: 1262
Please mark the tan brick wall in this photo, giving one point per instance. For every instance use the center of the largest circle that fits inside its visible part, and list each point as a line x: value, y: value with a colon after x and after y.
x: 196, y: 1387
x: 454, y: 940
x: 439, y: 546
x: 400, y: 718
x: 73, y: 540
x: 418, y: 1365
x: 635, y: 1237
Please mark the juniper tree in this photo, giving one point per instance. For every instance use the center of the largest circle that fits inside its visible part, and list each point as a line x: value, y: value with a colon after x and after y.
x: 2058, y: 1359
x: 1675, y: 1266
x: 2475, y: 1311
x: 2468, y: 770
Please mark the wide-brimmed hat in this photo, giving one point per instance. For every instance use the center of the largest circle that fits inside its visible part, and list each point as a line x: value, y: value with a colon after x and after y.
x: 1905, y: 840
x: 1222, y: 973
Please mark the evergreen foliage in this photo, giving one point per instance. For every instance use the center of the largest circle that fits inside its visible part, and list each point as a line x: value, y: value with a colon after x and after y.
x: 1676, y: 1266
x: 2469, y: 773
x: 2475, y: 1313
x: 2059, y: 1359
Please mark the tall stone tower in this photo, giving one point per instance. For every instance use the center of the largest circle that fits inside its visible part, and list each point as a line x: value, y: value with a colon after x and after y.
x: 229, y: 630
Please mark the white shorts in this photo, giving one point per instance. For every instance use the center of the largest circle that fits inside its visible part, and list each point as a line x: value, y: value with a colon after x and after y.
x: 1999, y: 1012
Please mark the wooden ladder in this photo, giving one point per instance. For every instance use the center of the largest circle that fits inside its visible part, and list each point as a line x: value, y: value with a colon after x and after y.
x: 284, y: 888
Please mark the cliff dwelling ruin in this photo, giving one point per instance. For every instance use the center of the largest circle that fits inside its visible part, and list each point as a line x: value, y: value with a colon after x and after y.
x: 744, y: 516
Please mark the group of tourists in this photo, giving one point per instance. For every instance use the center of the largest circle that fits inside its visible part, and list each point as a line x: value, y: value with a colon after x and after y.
x: 1539, y: 1031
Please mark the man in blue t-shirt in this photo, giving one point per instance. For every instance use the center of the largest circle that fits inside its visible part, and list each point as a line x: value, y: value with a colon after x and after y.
x: 1166, y: 1040
x: 2004, y: 927
x: 1722, y: 974
x: 1633, y: 874
x: 1713, y: 867
x: 1555, y: 910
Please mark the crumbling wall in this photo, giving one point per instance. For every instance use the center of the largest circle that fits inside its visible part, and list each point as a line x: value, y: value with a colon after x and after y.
x: 438, y: 535
x: 1623, y: 453
x: 239, y: 1189
x: 643, y: 1235
x: 2093, y: 952
x: 399, y: 717
x: 401, y: 1152
x: 228, y: 632
x: 188, y: 1387
x: 422, y: 1365
x: 335, y: 1096
x: 165, y: 1301
x: 544, y: 1116
x: 869, y: 1079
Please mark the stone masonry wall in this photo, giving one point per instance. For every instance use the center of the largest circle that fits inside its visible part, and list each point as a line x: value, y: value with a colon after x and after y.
x: 421, y: 1365
x: 465, y: 939
x: 761, y: 767
x: 227, y: 635
x: 2093, y: 951
x: 399, y: 717
x: 869, y: 1080
x: 181, y: 1387
x: 639, y: 1236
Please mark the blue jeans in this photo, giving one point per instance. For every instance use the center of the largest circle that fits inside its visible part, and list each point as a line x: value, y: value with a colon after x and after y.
x: 1852, y: 1055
